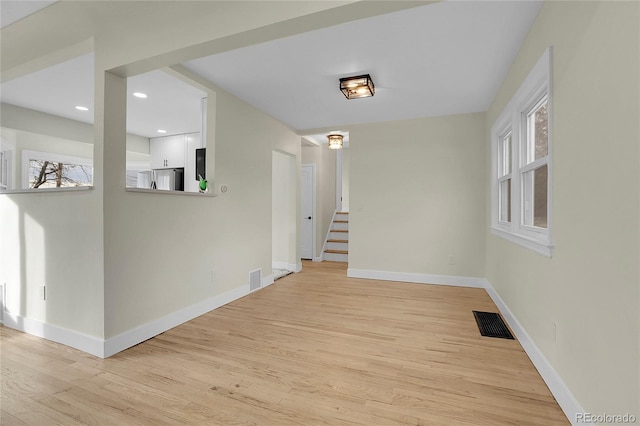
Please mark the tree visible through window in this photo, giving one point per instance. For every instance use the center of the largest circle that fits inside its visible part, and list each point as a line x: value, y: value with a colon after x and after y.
x: 51, y: 174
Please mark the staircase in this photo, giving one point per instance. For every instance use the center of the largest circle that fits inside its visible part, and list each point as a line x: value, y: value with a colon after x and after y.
x: 336, y: 248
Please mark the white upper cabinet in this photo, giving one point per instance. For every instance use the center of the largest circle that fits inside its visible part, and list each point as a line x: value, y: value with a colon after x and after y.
x: 168, y: 151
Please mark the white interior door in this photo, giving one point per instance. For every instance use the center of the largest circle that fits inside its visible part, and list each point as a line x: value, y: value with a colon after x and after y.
x: 307, y: 197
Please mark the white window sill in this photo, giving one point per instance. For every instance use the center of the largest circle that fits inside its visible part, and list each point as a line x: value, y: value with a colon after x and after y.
x: 535, y: 245
x: 167, y: 192
x: 46, y: 190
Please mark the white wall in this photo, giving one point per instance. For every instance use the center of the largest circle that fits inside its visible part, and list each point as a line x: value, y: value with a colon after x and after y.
x: 419, y: 200
x: 325, y: 161
x: 161, y: 251
x: 52, y: 239
x: 590, y: 288
x: 116, y: 260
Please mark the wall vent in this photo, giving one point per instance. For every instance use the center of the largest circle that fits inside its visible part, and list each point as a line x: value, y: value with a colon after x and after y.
x: 255, y: 279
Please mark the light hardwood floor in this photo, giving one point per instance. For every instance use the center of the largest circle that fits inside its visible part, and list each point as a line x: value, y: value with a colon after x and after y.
x: 315, y: 348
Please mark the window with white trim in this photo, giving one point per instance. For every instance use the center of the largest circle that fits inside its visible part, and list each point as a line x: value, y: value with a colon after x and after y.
x: 50, y: 170
x: 521, y: 163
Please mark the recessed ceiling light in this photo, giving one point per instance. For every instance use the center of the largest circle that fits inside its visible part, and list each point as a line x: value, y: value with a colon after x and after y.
x: 140, y: 95
x: 81, y: 108
x: 162, y: 131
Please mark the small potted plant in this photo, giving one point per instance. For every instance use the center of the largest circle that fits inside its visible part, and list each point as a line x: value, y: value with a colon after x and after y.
x: 203, y: 187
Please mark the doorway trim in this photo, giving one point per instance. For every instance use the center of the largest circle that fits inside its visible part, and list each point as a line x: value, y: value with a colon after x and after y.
x: 314, y: 213
x: 339, y: 180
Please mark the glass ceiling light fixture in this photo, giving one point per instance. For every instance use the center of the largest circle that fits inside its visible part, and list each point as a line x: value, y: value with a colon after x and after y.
x: 360, y: 86
x: 335, y: 141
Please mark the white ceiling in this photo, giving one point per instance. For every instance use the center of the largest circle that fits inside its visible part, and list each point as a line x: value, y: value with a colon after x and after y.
x: 171, y: 105
x: 13, y: 10
x: 439, y: 59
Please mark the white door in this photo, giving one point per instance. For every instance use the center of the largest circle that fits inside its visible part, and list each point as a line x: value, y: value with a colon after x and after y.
x: 307, y: 199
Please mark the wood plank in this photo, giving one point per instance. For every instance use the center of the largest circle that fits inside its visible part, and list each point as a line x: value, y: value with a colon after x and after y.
x: 313, y: 348
x: 337, y: 251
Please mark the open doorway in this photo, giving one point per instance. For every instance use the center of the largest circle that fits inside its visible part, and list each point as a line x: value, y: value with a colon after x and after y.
x: 283, y: 218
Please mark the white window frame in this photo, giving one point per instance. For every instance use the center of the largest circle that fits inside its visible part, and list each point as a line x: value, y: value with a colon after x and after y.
x: 513, y: 119
x: 49, y: 156
x: 7, y: 158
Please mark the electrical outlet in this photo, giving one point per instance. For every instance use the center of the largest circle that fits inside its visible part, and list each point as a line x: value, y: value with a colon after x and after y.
x: 452, y: 259
x: 213, y: 276
x: 43, y: 292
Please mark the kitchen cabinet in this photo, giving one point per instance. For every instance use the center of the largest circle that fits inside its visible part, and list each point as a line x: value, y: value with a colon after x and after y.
x: 168, y: 151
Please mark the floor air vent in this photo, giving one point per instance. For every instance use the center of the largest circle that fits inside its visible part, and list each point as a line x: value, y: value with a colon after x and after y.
x: 491, y: 325
x: 255, y: 279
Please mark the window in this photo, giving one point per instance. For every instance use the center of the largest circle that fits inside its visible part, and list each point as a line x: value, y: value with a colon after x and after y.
x: 47, y: 170
x: 4, y: 170
x: 521, y: 163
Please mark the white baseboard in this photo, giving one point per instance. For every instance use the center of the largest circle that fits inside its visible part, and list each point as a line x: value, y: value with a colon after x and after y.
x: 267, y: 281
x: 106, y: 348
x: 319, y: 258
x: 75, y: 339
x: 416, y: 278
x: 558, y: 388
x: 293, y: 267
x: 144, y: 332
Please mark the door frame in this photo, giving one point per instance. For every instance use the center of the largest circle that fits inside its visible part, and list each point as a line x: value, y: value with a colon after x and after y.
x: 339, y: 180
x: 311, y: 166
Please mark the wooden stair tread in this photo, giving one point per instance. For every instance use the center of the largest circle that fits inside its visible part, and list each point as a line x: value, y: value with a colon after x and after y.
x: 342, y: 212
x: 337, y: 251
x: 340, y: 221
x: 339, y: 230
x: 337, y: 241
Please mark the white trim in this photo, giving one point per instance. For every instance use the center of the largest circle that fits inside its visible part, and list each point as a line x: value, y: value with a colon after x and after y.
x: 537, y: 246
x: 558, y: 388
x: 170, y: 192
x: 416, y: 278
x: 326, y: 237
x: 28, y: 155
x: 111, y: 346
x: 314, y: 213
x: 535, y: 86
x: 293, y: 267
x: 339, y: 180
x: 567, y: 402
x: 84, y: 342
x: 267, y: 281
x: 41, y: 190
x: 132, y: 337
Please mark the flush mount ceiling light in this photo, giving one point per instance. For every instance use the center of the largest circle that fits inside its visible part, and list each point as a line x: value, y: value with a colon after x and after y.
x: 82, y: 108
x: 162, y: 131
x: 335, y: 141
x: 140, y: 95
x: 360, y: 86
